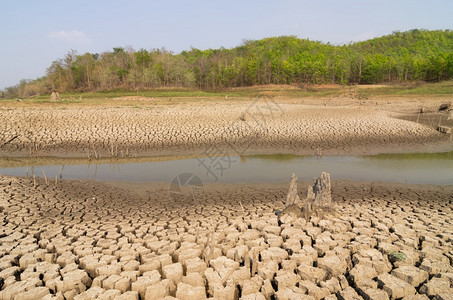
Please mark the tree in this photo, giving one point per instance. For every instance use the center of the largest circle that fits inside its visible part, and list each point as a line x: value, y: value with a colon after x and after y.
x: 399, y: 57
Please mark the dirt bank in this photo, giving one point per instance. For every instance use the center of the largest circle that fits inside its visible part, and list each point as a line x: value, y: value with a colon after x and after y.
x: 298, y: 126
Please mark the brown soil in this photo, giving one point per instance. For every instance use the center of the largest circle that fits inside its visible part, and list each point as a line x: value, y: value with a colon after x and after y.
x: 74, y: 237
x: 303, y: 126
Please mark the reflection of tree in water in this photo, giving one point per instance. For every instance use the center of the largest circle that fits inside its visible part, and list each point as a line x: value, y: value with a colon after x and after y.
x: 412, y: 156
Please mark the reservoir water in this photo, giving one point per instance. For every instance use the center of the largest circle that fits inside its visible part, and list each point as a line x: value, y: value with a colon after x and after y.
x: 416, y: 168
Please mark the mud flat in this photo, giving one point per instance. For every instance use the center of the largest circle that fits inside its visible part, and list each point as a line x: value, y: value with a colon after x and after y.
x: 251, y: 127
x: 91, y: 240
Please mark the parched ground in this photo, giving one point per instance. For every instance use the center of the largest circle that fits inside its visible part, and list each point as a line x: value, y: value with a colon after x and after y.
x: 89, y: 240
x: 242, y: 127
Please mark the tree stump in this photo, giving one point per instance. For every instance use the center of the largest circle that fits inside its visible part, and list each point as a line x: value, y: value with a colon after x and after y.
x: 322, y: 191
x: 293, y: 197
x: 317, y: 203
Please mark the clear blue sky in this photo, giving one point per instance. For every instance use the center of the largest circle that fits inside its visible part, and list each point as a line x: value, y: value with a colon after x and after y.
x: 34, y: 33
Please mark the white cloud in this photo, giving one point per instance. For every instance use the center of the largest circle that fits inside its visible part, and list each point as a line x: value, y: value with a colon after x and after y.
x: 73, y: 36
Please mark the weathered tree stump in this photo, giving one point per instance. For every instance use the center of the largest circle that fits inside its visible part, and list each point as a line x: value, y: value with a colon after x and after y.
x: 322, y: 191
x: 293, y: 197
x: 317, y: 203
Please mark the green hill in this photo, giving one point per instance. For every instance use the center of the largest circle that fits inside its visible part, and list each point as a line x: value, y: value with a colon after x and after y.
x: 415, y: 55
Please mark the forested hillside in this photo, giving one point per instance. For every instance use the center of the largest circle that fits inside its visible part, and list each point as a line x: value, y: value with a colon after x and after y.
x: 416, y: 55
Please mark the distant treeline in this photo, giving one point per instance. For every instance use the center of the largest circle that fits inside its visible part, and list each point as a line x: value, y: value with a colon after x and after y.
x: 415, y: 55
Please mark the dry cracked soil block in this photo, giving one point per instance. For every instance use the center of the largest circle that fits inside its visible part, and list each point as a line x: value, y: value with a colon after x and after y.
x: 313, y: 289
x: 195, y: 265
x: 254, y: 296
x: 437, y: 287
x: 373, y: 294
x: 434, y: 266
x: 333, y: 265
x: 372, y: 258
x: 274, y: 254
x: 113, y: 294
x: 35, y: 293
x: 173, y: 272
x: 108, y: 270
x: 189, y: 292
x: 130, y: 295
x: 251, y: 286
x: 293, y: 293
x: 285, y: 279
x: 411, y: 274
x: 349, y: 294
x: 226, y: 292
x: 159, y: 290
x: 194, y: 279
x: 417, y: 297
x: 311, y: 273
x: 143, y: 282
x: 362, y: 272
x: 333, y: 285
x: 395, y: 287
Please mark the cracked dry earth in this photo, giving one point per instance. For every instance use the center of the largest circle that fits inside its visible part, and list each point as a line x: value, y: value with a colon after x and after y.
x: 250, y: 126
x: 90, y: 240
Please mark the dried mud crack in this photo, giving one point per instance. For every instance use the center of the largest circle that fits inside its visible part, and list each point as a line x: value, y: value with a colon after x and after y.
x: 89, y: 240
x: 252, y: 127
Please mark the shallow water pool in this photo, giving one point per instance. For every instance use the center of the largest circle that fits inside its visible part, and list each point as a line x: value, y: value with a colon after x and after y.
x: 417, y: 168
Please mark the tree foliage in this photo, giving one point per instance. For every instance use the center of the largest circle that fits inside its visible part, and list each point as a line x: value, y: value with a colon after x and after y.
x: 415, y: 55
